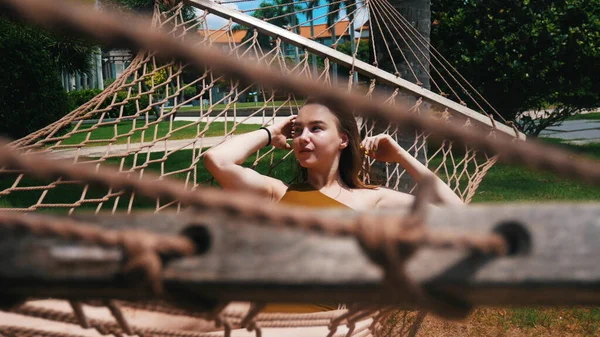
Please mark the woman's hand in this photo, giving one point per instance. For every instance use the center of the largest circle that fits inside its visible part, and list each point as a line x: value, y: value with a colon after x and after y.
x: 281, y: 132
x: 382, y: 148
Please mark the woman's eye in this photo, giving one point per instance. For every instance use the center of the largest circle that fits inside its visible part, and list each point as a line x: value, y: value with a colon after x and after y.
x: 316, y: 128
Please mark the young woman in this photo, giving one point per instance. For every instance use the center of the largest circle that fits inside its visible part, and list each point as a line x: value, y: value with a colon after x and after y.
x: 328, y: 149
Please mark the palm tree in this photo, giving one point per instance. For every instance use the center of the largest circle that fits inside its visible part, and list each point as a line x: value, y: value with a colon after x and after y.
x: 333, y: 15
x: 72, y: 55
x: 418, y: 14
x: 309, y: 16
x: 147, y: 6
x: 278, y: 12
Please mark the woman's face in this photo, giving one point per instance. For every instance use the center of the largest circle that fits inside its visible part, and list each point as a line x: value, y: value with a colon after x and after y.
x: 317, y: 140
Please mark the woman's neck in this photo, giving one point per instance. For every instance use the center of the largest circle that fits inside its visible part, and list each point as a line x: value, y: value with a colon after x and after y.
x: 326, y: 178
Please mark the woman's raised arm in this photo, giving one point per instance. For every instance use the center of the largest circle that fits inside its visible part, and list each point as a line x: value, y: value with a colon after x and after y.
x: 225, y: 161
x: 384, y: 148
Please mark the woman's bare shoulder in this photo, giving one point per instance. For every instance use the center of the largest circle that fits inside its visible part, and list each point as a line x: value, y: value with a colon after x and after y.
x: 386, y: 197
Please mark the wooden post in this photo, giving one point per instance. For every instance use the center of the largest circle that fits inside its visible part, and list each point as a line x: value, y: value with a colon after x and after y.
x: 552, y: 259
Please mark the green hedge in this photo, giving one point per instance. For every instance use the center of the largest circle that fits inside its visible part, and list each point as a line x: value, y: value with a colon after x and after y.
x: 79, y: 97
x: 190, y: 92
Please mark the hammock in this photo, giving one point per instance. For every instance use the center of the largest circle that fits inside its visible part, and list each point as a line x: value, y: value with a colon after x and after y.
x: 148, y: 120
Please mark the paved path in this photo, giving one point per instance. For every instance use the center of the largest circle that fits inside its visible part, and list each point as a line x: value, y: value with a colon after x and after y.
x: 169, y: 145
x: 575, y: 132
x: 125, y: 149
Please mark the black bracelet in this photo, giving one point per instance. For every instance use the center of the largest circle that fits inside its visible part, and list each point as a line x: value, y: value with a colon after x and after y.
x: 268, y: 133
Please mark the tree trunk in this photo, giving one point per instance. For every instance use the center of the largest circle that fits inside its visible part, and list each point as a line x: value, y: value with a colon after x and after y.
x: 312, y: 34
x: 334, y: 68
x: 418, y: 15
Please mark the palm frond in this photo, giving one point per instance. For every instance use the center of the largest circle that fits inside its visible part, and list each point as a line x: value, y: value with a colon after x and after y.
x: 334, y: 13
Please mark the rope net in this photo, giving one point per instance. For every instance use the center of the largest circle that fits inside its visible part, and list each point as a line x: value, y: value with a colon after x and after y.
x: 161, y: 117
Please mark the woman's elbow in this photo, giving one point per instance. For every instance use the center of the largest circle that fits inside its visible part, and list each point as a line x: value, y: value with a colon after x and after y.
x: 211, y: 162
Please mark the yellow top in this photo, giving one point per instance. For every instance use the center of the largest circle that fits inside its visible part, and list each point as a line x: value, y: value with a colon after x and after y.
x: 305, y: 195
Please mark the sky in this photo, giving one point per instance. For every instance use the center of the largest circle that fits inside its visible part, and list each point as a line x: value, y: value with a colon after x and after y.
x: 215, y: 22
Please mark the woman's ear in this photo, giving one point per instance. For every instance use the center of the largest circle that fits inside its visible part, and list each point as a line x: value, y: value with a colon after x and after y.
x: 344, y: 142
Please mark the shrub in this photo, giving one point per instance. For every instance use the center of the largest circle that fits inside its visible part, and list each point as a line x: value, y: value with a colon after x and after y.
x: 524, y: 55
x: 190, y: 91
x: 130, y: 108
x: 31, y: 95
x: 108, y: 82
x: 79, y: 97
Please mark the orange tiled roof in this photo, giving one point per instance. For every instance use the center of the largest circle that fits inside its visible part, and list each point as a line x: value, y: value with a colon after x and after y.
x: 341, y: 28
x: 221, y: 36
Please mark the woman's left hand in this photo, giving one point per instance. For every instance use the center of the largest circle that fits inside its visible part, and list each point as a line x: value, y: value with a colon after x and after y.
x: 382, y: 148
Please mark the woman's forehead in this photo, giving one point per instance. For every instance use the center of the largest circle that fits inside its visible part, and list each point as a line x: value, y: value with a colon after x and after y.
x: 314, y: 112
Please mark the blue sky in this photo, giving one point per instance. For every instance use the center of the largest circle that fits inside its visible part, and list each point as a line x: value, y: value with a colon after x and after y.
x: 215, y: 22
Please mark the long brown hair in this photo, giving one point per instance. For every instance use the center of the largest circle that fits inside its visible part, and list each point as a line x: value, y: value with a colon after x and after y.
x: 350, y: 166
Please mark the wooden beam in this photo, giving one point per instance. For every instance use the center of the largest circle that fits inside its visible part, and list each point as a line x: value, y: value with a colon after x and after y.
x: 364, y: 68
x: 554, y: 262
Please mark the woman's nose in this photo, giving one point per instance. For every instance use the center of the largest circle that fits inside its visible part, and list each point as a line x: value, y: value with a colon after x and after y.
x: 304, y: 136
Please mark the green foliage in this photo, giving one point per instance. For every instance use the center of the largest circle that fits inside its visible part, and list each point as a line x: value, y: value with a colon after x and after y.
x: 31, y: 95
x: 280, y: 16
x: 108, y: 82
x: 345, y: 47
x: 158, y: 78
x: 78, y: 97
x: 524, y: 55
x: 131, y: 108
x: 70, y: 54
x: 333, y: 10
x: 190, y: 91
x: 147, y: 7
x: 362, y: 53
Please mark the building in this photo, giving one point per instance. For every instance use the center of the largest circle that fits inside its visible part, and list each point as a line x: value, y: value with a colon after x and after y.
x: 322, y: 35
x: 114, y: 62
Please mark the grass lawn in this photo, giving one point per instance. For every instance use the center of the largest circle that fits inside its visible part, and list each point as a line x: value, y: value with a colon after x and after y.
x: 70, y: 193
x: 503, y: 183
x: 593, y: 115
x: 125, y: 130
x: 506, y: 183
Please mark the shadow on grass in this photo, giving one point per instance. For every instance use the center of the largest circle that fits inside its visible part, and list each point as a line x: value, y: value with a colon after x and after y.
x: 503, y: 183
x: 59, y: 196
